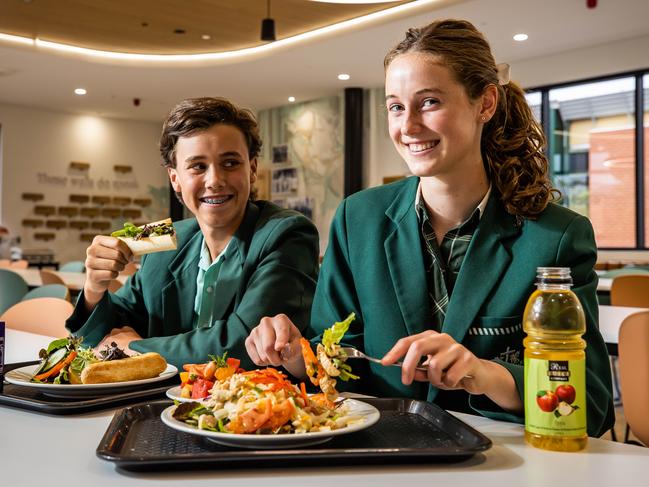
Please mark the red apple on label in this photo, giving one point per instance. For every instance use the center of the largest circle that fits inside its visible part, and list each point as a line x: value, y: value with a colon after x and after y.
x: 547, y: 401
x: 566, y: 393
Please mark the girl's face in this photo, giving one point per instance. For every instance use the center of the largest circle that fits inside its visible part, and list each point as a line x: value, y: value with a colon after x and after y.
x: 214, y: 174
x: 434, y: 125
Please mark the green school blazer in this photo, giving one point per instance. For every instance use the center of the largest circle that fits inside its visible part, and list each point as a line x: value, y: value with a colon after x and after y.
x: 374, y: 266
x: 271, y: 268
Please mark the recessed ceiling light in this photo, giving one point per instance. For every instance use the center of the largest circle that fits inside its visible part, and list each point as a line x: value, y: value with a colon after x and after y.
x: 291, y: 99
x: 520, y: 37
x: 206, y: 37
x: 80, y: 91
x: 343, y: 76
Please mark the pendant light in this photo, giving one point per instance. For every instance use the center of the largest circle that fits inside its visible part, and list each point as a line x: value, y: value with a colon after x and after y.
x: 268, y: 26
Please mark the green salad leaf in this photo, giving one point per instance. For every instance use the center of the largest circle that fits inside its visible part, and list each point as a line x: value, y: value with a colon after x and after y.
x: 85, y: 356
x: 129, y: 230
x: 333, y: 335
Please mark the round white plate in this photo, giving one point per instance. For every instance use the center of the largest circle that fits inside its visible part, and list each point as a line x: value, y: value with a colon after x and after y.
x: 23, y: 375
x: 287, y: 440
x: 174, y: 394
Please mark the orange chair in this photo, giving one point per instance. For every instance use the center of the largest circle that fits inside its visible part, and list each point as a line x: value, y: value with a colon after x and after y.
x: 5, y: 263
x: 43, y: 316
x: 630, y: 290
x: 633, y: 349
x: 19, y: 264
x: 51, y: 277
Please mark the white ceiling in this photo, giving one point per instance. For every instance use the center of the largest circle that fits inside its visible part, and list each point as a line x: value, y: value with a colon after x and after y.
x: 39, y: 78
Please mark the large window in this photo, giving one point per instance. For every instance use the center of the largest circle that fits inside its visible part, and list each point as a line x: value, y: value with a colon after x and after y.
x: 592, y: 141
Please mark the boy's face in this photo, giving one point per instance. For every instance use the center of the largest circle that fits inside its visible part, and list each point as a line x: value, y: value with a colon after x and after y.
x: 214, y: 175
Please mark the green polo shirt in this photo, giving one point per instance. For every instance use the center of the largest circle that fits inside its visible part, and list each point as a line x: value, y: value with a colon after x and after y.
x: 208, y: 274
x: 443, y: 262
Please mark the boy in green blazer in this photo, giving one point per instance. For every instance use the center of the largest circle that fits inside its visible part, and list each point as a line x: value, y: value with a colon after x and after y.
x: 438, y: 267
x: 235, y: 262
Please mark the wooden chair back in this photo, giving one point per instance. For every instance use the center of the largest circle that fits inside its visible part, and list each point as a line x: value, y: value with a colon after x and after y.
x: 633, y: 349
x: 19, y: 264
x: 51, y: 277
x: 630, y: 290
x: 43, y: 316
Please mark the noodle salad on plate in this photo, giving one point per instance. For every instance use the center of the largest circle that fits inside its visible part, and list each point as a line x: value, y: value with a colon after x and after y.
x: 264, y: 401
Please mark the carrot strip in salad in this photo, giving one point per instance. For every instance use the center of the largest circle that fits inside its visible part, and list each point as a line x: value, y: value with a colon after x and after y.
x: 57, y: 368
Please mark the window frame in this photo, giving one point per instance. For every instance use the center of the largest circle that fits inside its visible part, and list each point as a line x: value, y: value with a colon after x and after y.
x: 641, y: 191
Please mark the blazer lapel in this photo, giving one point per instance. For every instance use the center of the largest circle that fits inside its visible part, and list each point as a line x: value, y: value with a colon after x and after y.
x: 229, y: 280
x: 486, y: 259
x: 179, y: 294
x: 406, y: 262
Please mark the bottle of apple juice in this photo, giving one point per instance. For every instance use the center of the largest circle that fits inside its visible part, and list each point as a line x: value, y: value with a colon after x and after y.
x: 555, y: 364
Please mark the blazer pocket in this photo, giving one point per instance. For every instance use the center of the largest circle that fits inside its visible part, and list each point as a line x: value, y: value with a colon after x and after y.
x: 496, y: 326
x: 496, y: 337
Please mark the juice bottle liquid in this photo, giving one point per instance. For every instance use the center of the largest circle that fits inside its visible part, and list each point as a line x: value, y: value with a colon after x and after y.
x: 555, y: 364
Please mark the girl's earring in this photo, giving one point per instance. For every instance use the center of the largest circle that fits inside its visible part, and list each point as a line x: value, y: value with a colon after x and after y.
x: 483, y: 118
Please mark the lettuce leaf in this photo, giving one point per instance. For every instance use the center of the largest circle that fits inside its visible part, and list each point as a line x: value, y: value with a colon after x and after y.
x: 333, y: 335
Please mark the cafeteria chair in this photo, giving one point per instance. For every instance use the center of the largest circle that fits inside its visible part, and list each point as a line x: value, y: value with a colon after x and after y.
x: 51, y: 277
x: 19, y: 264
x: 5, y: 263
x: 42, y: 316
x: 634, y: 374
x: 630, y: 290
x: 73, y: 266
x: 12, y: 288
x: 48, y: 291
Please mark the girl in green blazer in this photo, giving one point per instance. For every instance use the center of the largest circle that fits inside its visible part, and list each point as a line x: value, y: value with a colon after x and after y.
x: 236, y: 261
x: 438, y: 267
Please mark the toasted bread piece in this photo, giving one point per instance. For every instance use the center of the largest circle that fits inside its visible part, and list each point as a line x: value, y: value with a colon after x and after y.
x: 137, y: 367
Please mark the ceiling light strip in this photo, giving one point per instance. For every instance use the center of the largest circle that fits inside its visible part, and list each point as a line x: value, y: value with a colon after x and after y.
x: 227, y: 55
x: 17, y: 39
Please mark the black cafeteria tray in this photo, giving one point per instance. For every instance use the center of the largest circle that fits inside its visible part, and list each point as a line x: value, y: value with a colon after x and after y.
x: 33, y: 400
x: 409, y: 431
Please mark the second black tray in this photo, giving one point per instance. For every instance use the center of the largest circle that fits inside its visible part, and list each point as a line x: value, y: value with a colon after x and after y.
x: 408, y: 431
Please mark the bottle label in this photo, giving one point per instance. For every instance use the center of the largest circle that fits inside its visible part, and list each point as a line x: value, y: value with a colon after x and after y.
x: 555, y: 397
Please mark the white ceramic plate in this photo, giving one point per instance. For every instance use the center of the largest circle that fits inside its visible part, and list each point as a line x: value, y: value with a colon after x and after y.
x: 355, y: 408
x: 174, y: 394
x: 23, y: 375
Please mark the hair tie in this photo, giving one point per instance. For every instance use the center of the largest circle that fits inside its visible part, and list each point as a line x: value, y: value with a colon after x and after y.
x: 504, y: 72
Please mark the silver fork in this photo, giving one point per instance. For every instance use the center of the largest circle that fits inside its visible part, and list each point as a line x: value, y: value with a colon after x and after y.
x: 354, y: 353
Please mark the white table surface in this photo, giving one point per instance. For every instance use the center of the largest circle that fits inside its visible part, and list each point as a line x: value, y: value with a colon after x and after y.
x: 610, y: 320
x: 21, y: 346
x: 71, y: 441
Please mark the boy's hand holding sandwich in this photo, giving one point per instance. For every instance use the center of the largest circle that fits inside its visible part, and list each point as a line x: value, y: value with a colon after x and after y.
x: 107, y: 256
